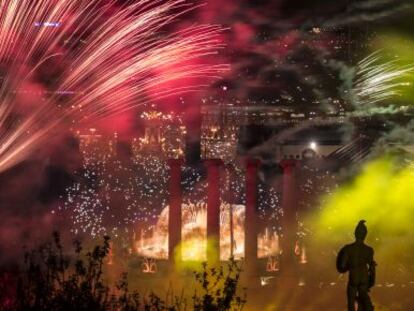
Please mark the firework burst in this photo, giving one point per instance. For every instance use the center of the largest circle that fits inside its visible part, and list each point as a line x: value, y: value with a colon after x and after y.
x: 377, y: 80
x: 85, y: 60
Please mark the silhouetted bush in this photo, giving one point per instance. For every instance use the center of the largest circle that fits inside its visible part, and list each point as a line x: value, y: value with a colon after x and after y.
x: 218, y: 288
x: 50, y: 280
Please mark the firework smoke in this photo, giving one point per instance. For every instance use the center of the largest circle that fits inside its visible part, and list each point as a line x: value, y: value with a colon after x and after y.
x: 367, y: 11
x: 66, y: 63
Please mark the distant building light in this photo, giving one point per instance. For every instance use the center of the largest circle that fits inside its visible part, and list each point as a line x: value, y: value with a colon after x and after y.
x: 297, y: 115
x: 266, y: 280
x: 48, y: 24
x: 65, y: 92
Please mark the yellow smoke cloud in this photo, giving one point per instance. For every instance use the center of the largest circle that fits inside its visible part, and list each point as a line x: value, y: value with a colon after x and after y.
x: 383, y: 195
x: 191, y: 253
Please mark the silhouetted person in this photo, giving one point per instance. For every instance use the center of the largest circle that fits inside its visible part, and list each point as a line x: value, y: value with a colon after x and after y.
x: 358, y: 259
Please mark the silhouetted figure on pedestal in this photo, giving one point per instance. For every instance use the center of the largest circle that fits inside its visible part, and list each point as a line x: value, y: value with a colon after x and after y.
x: 358, y: 259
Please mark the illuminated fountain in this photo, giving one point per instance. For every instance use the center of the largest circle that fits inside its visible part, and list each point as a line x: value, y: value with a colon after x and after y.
x: 194, y: 235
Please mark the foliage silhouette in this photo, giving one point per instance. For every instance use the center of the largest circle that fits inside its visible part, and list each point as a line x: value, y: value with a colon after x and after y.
x: 218, y: 288
x: 51, y: 280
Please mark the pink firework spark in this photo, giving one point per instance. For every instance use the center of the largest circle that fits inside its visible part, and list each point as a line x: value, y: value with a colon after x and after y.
x: 67, y: 62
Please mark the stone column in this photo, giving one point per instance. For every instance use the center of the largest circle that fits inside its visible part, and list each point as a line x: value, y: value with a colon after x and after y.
x: 174, y: 213
x: 290, y: 209
x: 229, y: 198
x: 213, y: 211
x: 251, y: 220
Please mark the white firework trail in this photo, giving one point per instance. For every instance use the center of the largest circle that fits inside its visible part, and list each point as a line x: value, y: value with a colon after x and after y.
x: 377, y: 80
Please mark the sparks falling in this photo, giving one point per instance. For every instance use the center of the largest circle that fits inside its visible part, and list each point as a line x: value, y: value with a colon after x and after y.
x: 377, y: 80
x: 74, y: 62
